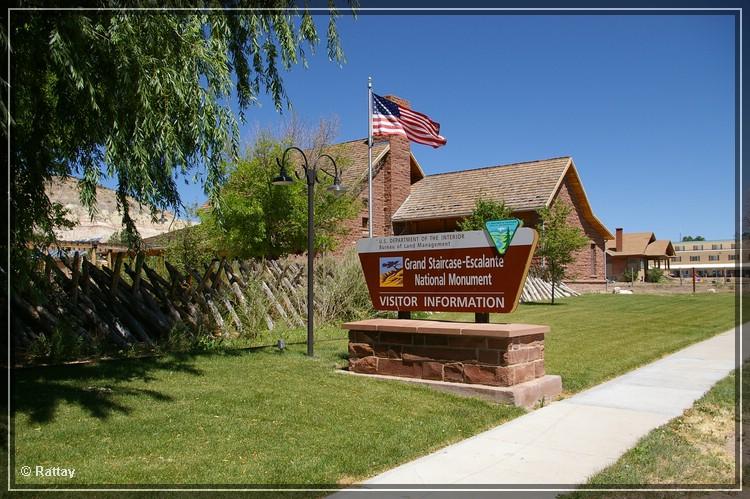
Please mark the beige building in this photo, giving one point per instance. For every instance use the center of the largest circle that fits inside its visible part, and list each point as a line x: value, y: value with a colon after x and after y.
x: 710, y: 258
x: 637, y: 251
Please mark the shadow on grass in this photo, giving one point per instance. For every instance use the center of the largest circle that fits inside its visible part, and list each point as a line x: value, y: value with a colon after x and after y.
x: 38, y: 391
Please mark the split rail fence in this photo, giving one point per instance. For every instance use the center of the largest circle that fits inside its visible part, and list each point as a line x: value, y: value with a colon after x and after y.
x: 100, y: 304
x: 145, y: 307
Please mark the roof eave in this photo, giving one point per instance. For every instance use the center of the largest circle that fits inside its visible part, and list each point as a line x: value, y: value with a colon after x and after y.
x: 584, y: 200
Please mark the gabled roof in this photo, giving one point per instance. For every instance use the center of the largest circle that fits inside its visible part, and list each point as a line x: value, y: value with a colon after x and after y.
x: 525, y: 186
x: 351, y: 157
x: 640, y: 244
x: 660, y: 247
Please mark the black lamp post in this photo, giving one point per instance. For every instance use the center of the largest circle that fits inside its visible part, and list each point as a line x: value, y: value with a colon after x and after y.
x: 311, y: 175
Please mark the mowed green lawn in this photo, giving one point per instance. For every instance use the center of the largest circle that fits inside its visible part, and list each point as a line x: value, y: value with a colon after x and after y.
x: 264, y: 417
x: 242, y: 417
x: 593, y: 338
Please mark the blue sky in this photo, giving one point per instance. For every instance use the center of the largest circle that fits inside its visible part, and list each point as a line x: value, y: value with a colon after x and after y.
x: 644, y: 104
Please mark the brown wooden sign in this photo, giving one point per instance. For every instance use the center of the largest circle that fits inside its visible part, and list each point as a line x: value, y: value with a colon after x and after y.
x: 446, y: 272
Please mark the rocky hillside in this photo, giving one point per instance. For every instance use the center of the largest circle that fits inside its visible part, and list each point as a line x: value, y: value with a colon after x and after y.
x: 107, y: 220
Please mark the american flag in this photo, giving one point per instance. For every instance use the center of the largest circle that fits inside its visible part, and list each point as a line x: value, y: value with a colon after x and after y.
x: 388, y: 118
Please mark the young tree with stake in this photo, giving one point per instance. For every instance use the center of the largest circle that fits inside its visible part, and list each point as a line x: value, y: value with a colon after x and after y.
x: 557, y: 243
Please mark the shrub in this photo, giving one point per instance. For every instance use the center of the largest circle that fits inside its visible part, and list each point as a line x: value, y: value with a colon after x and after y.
x: 485, y: 210
x: 630, y: 275
x: 654, y: 275
x: 340, y: 289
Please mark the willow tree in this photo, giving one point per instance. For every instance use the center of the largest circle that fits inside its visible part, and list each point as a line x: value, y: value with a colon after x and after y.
x: 143, y: 97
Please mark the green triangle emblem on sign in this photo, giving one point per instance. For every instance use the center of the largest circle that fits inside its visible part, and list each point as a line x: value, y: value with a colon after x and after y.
x: 502, y: 232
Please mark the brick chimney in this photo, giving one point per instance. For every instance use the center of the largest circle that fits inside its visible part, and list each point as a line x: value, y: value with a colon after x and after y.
x: 396, y: 175
x: 618, y: 239
x: 398, y: 100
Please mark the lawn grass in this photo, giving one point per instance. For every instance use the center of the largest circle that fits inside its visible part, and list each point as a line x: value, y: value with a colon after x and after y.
x: 697, y: 448
x: 265, y: 417
x: 238, y: 417
x: 596, y: 337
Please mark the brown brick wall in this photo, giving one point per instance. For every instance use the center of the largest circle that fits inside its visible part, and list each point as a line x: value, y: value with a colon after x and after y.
x: 355, y: 229
x: 581, y: 269
x: 459, y: 359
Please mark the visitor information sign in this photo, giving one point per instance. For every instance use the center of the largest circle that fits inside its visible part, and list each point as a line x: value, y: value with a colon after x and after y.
x: 447, y: 271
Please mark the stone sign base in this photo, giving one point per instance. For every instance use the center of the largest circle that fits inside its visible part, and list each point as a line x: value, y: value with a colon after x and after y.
x: 527, y: 394
x: 495, y: 355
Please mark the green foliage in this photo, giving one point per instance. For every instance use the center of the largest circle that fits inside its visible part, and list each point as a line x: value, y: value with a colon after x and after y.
x: 341, y: 292
x: 558, y: 241
x: 630, y: 274
x: 276, y: 417
x: 583, y: 350
x: 261, y: 220
x: 692, y: 238
x: 63, y: 343
x: 484, y: 210
x: 655, y: 275
x: 141, y: 97
x: 189, y: 248
x: 125, y: 238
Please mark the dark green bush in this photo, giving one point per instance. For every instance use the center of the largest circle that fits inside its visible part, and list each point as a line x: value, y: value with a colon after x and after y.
x: 654, y: 275
x: 630, y: 275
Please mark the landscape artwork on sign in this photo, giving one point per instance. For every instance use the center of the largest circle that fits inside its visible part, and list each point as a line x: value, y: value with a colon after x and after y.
x: 392, y: 272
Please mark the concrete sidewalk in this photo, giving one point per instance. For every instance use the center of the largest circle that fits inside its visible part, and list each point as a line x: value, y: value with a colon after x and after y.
x: 566, y: 442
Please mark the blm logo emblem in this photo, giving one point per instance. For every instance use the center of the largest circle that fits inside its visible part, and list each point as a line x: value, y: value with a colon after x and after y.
x: 502, y: 232
x: 391, y: 271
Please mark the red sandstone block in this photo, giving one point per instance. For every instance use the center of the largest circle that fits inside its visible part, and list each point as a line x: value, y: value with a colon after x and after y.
x: 414, y: 358
x: 364, y: 337
x: 360, y: 350
x: 489, y: 357
x: 488, y: 375
x: 442, y: 353
x: 534, y: 353
x: 453, y: 372
x: 387, y: 351
x: 368, y: 365
x: 532, y: 338
x: 467, y: 341
x: 397, y: 367
x: 523, y: 372
x: 482, y: 375
x: 396, y: 338
x: 513, y: 357
x: 432, y: 370
x: 499, y: 343
x: 538, y: 368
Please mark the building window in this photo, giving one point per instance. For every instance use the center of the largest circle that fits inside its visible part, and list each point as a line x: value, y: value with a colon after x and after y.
x: 732, y: 246
x: 696, y: 258
x: 593, y: 259
x: 697, y: 247
x: 365, y: 223
x: 677, y: 259
x: 678, y: 248
x: 732, y: 257
x: 713, y: 258
x: 716, y: 247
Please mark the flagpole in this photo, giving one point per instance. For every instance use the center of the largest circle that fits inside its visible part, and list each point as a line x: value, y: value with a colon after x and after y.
x: 369, y: 155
